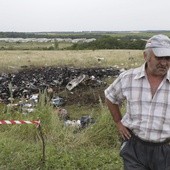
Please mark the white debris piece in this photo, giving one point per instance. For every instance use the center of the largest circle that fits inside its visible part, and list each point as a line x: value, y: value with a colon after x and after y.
x: 73, y: 83
x: 73, y: 123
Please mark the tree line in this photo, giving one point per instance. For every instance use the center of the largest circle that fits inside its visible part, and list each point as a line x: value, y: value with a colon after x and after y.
x: 72, y: 35
x: 104, y: 40
x: 108, y: 42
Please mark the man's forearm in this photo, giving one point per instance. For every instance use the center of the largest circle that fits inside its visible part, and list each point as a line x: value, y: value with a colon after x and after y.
x: 116, y: 114
x: 114, y: 110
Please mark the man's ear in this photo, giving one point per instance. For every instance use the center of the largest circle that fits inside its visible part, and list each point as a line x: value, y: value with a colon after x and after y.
x: 145, y: 56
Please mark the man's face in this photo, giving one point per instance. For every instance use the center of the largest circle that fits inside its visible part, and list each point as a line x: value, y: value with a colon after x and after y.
x: 158, y: 66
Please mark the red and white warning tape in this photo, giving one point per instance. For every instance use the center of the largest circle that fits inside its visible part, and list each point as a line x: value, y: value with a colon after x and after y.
x: 10, y: 122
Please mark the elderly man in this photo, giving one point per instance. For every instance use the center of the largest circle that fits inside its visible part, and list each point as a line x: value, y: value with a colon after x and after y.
x: 145, y: 127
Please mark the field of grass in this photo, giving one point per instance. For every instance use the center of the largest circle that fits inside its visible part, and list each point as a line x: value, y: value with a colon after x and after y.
x: 14, y: 60
x: 32, y: 45
x: 66, y: 148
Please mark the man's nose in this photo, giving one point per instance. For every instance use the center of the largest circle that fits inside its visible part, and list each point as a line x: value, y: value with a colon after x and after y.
x: 164, y: 60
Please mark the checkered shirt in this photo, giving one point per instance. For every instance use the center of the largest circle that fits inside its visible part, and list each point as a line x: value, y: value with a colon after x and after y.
x: 148, y: 117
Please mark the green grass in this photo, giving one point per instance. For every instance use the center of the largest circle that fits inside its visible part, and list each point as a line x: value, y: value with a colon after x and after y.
x: 21, y: 155
x: 95, y: 147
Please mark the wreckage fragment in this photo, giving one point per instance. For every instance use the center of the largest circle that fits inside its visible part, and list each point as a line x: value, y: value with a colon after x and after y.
x: 86, y: 120
x: 57, y: 101
x: 73, y: 83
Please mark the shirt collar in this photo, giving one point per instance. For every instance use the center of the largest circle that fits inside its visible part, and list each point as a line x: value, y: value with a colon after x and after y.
x: 141, y: 72
x: 168, y: 75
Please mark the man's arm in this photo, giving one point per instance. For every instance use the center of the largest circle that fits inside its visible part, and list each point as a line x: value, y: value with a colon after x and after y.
x: 116, y: 114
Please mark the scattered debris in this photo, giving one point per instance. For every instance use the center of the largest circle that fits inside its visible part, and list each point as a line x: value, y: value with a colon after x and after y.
x: 57, y: 101
x: 63, y: 114
x: 27, y: 84
x: 82, y: 123
x: 73, y: 123
x: 86, y: 120
x: 31, y: 81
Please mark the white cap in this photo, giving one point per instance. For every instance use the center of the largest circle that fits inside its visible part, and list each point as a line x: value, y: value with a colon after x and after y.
x: 160, y: 45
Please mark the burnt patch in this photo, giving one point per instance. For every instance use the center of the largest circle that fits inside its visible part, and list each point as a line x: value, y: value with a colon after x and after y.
x: 27, y: 82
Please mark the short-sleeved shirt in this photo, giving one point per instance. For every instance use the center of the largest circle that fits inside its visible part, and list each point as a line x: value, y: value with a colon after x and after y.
x: 146, y: 115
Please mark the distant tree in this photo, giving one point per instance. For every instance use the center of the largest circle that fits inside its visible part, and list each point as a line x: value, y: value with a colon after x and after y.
x: 55, y: 44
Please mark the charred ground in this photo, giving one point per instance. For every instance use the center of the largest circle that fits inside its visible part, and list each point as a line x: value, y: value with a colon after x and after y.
x: 54, y: 80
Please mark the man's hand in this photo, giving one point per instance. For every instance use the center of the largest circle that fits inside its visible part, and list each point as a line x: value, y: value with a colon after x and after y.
x: 123, y: 130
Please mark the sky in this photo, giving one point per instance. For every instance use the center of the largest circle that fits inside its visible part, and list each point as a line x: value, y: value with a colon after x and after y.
x: 83, y: 15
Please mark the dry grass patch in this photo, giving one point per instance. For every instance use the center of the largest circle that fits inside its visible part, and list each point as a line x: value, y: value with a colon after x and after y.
x: 14, y: 60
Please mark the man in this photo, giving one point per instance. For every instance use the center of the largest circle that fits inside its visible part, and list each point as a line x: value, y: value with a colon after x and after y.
x: 145, y: 127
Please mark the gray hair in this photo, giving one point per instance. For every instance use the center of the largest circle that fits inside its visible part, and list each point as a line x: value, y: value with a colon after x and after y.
x: 148, y: 51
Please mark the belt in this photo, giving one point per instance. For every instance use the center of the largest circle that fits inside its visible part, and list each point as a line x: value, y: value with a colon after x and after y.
x: 136, y: 138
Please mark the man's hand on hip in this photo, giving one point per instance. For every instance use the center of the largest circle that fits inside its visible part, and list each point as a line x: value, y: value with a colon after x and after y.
x: 123, y: 130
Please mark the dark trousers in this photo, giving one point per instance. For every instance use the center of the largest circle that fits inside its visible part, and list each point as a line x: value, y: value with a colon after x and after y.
x: 141, y: 155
